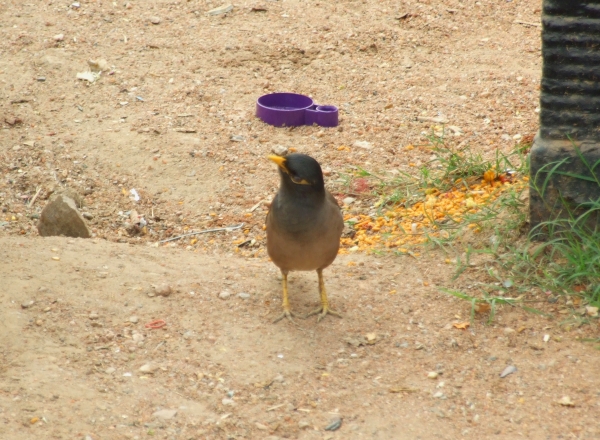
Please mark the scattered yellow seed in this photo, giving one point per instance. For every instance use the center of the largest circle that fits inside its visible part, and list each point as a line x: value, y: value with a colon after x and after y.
x: 392, y: 292
x: 56, y: 258
x: 193, y: 241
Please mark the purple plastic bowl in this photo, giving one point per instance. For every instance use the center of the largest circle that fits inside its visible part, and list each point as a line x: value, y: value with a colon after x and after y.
x: 281, y: 109
x: 292, y: 109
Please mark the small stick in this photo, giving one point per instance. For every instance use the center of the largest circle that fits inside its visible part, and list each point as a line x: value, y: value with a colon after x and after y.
x: 32, y: 201
x: 255, y: 206
x: 526, y: 23
x: 206, y: 231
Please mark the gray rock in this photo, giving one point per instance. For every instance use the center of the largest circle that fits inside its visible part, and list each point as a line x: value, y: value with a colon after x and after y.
x: 335, y: 424
x: 61, y: 217
x: 165, y: 414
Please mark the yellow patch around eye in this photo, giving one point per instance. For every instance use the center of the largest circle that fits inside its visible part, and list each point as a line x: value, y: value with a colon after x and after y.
x: 301, y: 181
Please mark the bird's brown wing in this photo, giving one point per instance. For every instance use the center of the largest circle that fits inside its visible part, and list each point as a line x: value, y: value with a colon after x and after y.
x: 332, y: 199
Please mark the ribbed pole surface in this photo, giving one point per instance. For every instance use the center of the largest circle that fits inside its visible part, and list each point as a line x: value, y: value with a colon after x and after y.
x: 570, y: 90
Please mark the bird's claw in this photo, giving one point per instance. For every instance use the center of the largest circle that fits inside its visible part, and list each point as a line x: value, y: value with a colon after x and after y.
x: 286, y: 314
x: 322, y: 312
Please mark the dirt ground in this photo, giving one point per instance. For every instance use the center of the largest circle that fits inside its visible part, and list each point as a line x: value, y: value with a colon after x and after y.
x: 77, y: 360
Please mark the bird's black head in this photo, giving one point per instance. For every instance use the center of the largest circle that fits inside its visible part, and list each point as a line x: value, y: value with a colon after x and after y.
x: 300, y: 170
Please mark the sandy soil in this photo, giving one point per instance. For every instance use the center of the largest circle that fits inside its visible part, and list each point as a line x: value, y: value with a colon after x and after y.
x: 161, y: 120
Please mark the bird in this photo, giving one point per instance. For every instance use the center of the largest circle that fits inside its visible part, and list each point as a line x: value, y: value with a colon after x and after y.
x: 304, y: 226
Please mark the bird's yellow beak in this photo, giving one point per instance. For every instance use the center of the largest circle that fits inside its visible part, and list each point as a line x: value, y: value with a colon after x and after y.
x: 280, y: 161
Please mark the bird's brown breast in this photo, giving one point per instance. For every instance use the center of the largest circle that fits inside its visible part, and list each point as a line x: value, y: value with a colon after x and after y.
x: 301, y: 237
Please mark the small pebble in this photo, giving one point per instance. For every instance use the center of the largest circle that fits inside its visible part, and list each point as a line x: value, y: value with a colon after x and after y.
x: 303, y: 424
x: 165, y: 414
x: 363, y: 144
x: 39, y: 322
x: 279, y: 150
x: 566, y: 401
x: 163, y: 290
x: 148, y: 368
x: 134, y: 319
x: 110, y: 370
x: 58, y: 37
x: 155, y: 20
x: 228, y: 402
x: 508, y: 370
x: 432, y: 375
x: 93, y: 315
x: 334, y: 425
x: 27, y: 304
x: 225, y: 294
x: 244, y: 295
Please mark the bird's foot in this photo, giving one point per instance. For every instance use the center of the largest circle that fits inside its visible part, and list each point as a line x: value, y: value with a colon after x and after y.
x: 286, y: 314
x: 322, y: 312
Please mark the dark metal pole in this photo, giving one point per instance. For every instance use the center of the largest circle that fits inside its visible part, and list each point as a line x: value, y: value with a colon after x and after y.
x: 565, y: 157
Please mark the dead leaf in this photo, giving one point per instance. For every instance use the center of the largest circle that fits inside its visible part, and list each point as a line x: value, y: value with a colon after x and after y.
x: 461, y: 325
x: 482, y: 308
x: 403, y: 390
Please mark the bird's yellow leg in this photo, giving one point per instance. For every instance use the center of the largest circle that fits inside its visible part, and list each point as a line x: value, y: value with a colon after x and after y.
x: 286, y: 302
x: 324, y: 310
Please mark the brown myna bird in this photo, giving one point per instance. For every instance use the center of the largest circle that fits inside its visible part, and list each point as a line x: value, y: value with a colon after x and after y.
x: 304, y: 225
